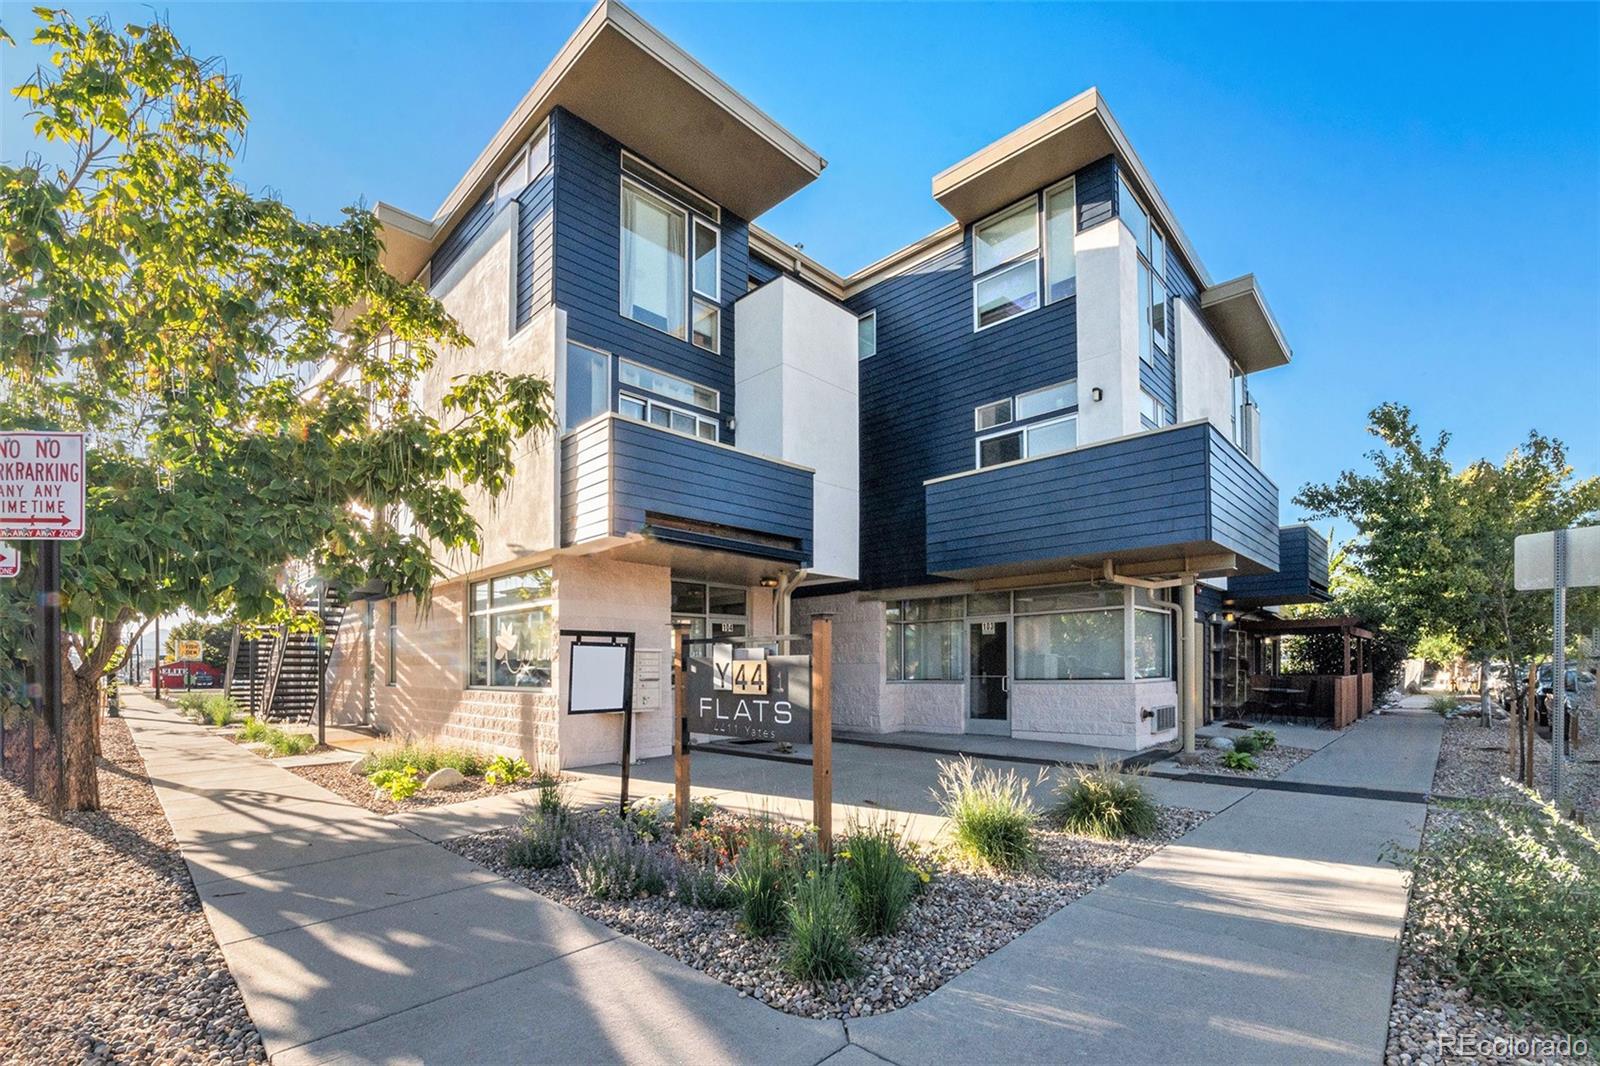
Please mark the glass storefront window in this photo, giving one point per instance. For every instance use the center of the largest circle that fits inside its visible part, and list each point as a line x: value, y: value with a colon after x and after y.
x: 511, y: 632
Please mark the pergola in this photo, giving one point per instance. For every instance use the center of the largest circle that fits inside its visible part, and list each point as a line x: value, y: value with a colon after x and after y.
x: 1341, y: 697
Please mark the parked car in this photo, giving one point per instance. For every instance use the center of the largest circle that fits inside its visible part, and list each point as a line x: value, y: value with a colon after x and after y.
x: 1579, y: 691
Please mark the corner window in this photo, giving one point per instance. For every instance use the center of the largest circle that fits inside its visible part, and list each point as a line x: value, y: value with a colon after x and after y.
x: 867, y: 335
x: 710, y: 611
x: 527, y: 164
x: 1155, y: 330
x: 922, y: 639
x: 1153, y: 414
x: 1152, y: 643
x: 586, y: 391
x: 511, y: 632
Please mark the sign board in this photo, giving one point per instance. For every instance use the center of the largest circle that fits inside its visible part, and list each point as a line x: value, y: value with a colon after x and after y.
x: 189, y: 674
x: 190, y: 649
x: 602, y: 681
x: 1536, y: 559
x: 10, y: 561
x: 41, y: 486
x: 746, y: 693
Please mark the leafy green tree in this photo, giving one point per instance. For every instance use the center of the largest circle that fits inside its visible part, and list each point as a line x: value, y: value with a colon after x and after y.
x: 245, y: 377
x: 1434, y: 545
x: 216, y: 640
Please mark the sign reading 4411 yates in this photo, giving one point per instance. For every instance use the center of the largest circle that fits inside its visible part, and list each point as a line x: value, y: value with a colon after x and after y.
x: 41, y: 486
x: 746, y: 693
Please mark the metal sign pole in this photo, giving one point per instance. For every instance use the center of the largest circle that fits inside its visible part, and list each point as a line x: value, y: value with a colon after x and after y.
x: 50, y: 661
x: 322, y: 670
x: 1558, y: 674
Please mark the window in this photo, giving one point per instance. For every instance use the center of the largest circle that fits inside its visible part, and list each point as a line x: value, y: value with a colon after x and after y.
x: 1051, y: 398
x: 1060, y: 227
x: 1069, y: 633
x: 667, y: 385
x: 528, y: 163
x: 923, y: 639
x: 1153, y: 414
x: 587, y: 390
x: 1026, y: 442
x: 710, y: 610
x: 1241, y: 411
x: 638, y: 168
x: 654, y: 264
x: 1154, y: 326
x: 392, y: 674
x: 643, y: 409
x: 1132, y: 213
x: 706, y: 262
x: 867, y: 335
x: 992, y: 414
x: 1152, y: 639
x: 511, y: 632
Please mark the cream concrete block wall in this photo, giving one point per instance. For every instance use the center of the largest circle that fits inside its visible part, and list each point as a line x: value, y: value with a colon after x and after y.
x: 596, y: 593
x: 1108, y: 332
x: 858, y: 662
x: 348, y: 669
x: 480, y: 292
x: 796, y: 372
x: 1101, y: 713
x: 1205, y: 383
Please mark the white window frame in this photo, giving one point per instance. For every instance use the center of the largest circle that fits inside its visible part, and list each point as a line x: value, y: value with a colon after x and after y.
x: 1150, y: 399
x: 701, y: 422
x: 671, y: 187
x: 1010, y: 403
x: 548, y: 602
x: 1016, y: 403
x: 994, y: 270
x: 1025, y: 430
x: 868, y: 321
x: 566, y: 378
x: 696, y: 210
x: 510, y: 184
x: 716, y: 397
x: 1044, y: 237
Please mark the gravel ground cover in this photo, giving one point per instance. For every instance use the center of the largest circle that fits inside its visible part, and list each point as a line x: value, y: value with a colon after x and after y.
x: 963, y: 915
x: 1473, y: 764
x: 105, y: 955
x: 338, y: 778
x: 1428, y: 1003
x: 1269, y: 763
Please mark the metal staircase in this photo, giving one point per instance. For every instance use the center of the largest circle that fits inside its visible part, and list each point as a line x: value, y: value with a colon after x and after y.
x: 249, y: 660
x: 276, y: 677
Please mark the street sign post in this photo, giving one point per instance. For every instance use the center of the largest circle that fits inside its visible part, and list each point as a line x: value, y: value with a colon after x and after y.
x: 1558, y: 560
x: 10, y: 561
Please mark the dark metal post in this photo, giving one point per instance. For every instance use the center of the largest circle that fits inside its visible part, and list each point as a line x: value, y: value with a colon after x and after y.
x: 158, y: 657
x: 322, y: 679
x: 50, y: 659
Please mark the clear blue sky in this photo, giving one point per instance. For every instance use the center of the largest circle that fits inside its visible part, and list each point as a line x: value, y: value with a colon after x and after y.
x: 1417, y: 187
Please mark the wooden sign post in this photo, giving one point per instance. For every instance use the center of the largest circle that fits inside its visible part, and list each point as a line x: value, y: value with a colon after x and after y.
x: 680, y: 731
x: 822, y: 730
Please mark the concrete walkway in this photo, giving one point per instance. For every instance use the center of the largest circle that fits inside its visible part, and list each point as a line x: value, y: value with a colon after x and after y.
x: 353, y: 939
x: 1268, y: 934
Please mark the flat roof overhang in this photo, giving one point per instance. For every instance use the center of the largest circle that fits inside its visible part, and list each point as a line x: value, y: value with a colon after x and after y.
x: 1238, y: 312
x: 1055, y: 144
x: 618, y: 73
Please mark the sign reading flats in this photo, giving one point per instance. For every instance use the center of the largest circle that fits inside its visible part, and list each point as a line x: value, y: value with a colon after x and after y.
x: 746, y: 693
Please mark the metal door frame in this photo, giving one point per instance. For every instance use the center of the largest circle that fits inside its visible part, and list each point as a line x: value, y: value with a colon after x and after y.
x: 989, y: 726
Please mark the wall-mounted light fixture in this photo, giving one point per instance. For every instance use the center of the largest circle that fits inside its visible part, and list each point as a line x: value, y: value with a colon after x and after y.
x: 769, y: 582
x: 1097, y: 394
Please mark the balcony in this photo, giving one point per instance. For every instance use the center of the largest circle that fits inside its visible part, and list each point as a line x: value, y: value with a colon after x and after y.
x: 626, y: 483
x: 1302, y: 575
x: 1179, y: 498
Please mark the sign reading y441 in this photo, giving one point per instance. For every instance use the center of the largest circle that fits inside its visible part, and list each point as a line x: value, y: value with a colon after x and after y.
x: 41, y: 486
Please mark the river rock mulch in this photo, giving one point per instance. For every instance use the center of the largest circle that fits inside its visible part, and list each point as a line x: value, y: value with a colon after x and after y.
x: 1269, y: 763
x: 338, y: 778
x: 105, y: 955
x: 1473, y: 765
x: 1429, y: 1005
x: 963, y: 915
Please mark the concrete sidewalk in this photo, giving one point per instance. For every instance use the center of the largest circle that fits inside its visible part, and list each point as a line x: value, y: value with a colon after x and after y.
x: 354, y: 939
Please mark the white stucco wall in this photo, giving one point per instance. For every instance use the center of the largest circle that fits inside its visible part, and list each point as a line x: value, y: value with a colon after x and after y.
x: 1205, y: 389
x: 1108, y: 332
x: 1102, y: 713
x: 796, y: 398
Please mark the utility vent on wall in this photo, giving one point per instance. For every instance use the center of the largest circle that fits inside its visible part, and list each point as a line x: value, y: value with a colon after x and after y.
x: 1166, y: 717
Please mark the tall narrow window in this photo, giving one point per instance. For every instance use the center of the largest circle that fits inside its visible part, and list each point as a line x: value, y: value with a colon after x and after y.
x: 867, y: 335
x: 654, y: 262
x: 1060, y: 228
x: 588, y: 385
x: 923, y: 639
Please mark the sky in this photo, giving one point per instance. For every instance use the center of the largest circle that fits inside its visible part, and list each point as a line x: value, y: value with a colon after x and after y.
x: 1416, y: 187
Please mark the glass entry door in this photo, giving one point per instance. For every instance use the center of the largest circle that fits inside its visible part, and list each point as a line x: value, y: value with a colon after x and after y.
x: 989, y: 676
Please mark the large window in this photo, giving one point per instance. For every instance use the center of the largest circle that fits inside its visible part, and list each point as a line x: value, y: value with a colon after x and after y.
x: 587, y: 389
x: 1025, y: 442
x: 710, y: 610
x: 511, y: 632
x: 1011, y: 250
x: 1155, y: 330
x: 923, y: 639
x: 671, y: 257
x: 1070, y: 633
x: 670, y: 403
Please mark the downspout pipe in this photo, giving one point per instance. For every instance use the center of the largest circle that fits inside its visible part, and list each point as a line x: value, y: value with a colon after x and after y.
x: 783, y: 601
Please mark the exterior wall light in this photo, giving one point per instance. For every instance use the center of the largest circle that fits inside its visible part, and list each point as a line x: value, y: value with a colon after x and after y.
x: 1097, y: 394
x: 769, y: 582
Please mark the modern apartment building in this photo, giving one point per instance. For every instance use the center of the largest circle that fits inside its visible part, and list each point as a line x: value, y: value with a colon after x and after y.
x: 1018, y: 460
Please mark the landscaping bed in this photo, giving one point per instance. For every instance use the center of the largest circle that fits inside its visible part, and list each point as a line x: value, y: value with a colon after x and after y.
x: 339, y: 778
x: 1269, y: 763
x: 1521, y: 942
x: 1473, y: 764
x: 834, y: 949
x: 107, y: 954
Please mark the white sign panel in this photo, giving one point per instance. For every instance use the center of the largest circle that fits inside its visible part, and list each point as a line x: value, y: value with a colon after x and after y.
x: 41, y: 486
x: 10, y: 561
x: 599, y: 678
x: 1536, y: 559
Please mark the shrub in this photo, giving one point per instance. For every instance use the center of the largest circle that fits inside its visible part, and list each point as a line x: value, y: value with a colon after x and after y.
x: 544, y: 840
x: 991, y: 813
x: 427, y: 758
x: 254, y: 730
x: 762, y: 875
x: 283, y: 743
x: 552, y: 798
x: 220, y: 710
x: 697, y: 885
x: 1509, y: 899
x: 1263, y: 738
x: 192, y: 704
x: 647, y: 820
x: 875, y: 877
x: 1105, y: 801
x: 1443, y: 705
x: 613, y: 867
x: 401, y: 784
x: 1238, y: 760
x: 817, y: 946
x: 506, y: 770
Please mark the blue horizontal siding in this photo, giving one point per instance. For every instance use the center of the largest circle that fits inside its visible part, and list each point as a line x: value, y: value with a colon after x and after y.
x: 1301, y: 577
x: 536, y: 247
x: 587, y: 254
x: 615, y: 473
x: 1096, y: 190
x: 465, y: 231
x: 1151, y: 491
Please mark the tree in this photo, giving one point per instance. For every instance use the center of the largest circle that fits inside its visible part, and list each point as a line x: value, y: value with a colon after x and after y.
x: 216, y: 640
x: 245, y: 377
x: 1435, y: 545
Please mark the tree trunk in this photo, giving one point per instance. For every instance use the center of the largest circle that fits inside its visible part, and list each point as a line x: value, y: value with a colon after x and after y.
x: 80, y: 704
